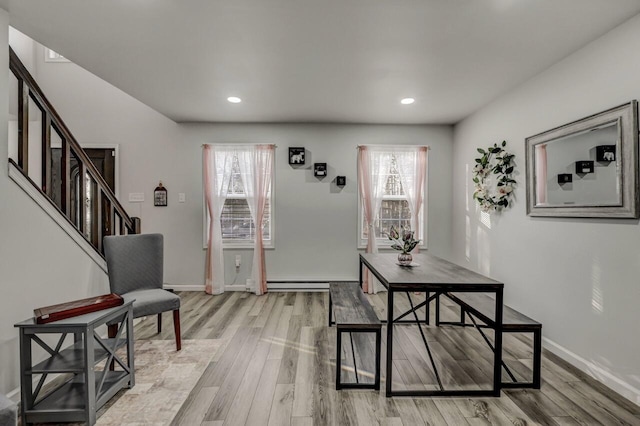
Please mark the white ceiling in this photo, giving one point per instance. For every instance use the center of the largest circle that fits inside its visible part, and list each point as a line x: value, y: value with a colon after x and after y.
x: 317, y: 60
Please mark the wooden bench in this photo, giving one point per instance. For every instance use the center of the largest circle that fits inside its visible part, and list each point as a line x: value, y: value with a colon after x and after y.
x: 353, y: 314
x: 482, y: 307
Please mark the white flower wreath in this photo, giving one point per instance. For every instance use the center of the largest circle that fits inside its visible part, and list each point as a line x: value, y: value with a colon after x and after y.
x: 498, y: 173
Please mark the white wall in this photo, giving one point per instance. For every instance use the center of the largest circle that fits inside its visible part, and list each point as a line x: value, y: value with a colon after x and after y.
x: 315, y: 221
x: 579, y: 277
x: 39, y: 264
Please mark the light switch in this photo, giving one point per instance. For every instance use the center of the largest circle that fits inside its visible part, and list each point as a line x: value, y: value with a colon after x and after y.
x: 182, y: 197
x: 136, y: 197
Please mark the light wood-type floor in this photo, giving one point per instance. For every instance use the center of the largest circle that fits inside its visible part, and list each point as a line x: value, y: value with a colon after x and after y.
x: 276, y: 366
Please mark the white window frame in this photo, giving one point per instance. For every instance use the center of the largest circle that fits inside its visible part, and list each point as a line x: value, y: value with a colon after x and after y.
x: 237, y: 243
x: 385, y: 243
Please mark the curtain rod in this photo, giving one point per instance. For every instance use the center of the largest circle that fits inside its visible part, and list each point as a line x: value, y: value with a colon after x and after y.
x: 393, y: 146
x: 238, y: 145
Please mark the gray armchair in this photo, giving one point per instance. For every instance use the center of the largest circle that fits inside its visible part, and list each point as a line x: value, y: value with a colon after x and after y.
x: 135, y: 265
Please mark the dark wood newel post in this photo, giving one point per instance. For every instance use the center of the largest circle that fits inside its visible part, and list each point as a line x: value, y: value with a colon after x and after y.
x: 137, y: 227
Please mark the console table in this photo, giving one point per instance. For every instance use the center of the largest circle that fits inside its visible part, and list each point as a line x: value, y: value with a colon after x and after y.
x: 85, y: 388
x: 433, y: 275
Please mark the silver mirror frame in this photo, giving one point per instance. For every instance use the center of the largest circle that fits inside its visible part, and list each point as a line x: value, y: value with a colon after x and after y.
x: 627, y: 117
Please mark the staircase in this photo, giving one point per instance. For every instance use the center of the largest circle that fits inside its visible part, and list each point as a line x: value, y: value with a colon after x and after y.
x: 73, y: 184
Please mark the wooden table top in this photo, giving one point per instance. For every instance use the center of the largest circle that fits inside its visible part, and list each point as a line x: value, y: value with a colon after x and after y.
x: 431, y: 271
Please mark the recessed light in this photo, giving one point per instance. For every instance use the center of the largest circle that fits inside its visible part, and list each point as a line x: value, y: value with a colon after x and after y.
x: 234, y: 99
x: 407, y: 101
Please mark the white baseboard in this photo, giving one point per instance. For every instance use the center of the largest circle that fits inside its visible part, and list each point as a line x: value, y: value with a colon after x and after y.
x: 606, y: 378
x: 183, y: 287
x: 298, y: 286
x: 195, y: 287
x: 271, y: 286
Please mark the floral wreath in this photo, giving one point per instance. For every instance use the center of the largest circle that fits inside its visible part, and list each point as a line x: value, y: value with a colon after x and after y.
x: 494, y: 199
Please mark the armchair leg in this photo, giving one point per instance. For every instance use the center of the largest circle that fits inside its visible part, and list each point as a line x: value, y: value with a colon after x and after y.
x: 160, y: 323
x: 176, y: 329
x: 112, y: 330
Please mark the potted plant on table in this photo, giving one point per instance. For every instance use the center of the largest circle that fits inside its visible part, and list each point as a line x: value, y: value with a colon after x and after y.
x: 404, y: 242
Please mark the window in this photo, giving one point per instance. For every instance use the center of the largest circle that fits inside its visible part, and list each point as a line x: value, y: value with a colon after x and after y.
x: 51, y: 56
x: 395, y: 203
x: 237, y: 226
x: 238, y: 230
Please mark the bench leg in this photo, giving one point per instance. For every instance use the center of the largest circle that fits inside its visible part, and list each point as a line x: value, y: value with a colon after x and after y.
x: 377, y: 378
x: 537, y: 357
x: 462, y: 315
x: 330, y: 308
x: 438, y: 310
x: 427, y: 309
x: 338, y: 358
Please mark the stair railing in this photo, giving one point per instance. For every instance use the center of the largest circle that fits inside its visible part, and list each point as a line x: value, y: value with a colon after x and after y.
x: 82, y: 195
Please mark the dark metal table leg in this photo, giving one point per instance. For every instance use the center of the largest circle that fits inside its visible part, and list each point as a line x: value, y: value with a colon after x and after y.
x: 497, y: 355
x: 377, y: 378
x: 427, y: 308
x: 537, y: 357
x: 338, y: 358
x: 388, y: 377
x: 330, y: 308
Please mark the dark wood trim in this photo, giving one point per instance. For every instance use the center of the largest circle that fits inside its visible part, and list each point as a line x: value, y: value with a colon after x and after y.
x: 137, y: 227
x: 23, y: 125
x: 82, y: 223
x: 99, y: 220
x: 46, y: 155
x: 65, y: 191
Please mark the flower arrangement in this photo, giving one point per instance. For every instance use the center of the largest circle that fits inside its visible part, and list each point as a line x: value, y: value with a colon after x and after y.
x: 402, y: 241
x: 498, y: 171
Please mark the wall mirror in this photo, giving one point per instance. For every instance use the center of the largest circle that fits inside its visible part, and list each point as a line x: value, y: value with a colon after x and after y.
x: 588, y: 168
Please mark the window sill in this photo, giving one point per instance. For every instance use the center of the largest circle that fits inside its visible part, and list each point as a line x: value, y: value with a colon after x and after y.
x: 387, y: 248
x: 243, y: 246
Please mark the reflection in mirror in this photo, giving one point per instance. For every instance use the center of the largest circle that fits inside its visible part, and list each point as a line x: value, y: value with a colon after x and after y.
x: 580, y: 184
x: 587, y: 168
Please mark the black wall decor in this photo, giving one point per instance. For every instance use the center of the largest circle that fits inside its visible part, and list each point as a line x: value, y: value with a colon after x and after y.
x: 296, y: 156
x: 606, y: 153
x: 583, y: 167
x: 160, y: 196
x: 320, y: 169
x: 565, y: 178
x: 341, y: 180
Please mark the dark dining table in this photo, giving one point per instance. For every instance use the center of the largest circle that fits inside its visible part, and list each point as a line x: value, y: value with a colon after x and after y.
x: 433, y: 276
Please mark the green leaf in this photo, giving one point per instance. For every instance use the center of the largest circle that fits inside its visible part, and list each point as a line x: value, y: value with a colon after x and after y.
x: 481, y: 151
x: 478, y: 160
x: 509, y: 170
x: 504, y: 143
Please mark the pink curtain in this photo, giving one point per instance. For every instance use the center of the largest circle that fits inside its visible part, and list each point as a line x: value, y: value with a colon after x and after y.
x: 256, y: 166
x: 364, y: 182
x: 541, y: 174
x: 372, y: 165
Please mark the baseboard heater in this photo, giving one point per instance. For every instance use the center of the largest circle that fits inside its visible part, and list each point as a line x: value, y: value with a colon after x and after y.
x: 298, y: 285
